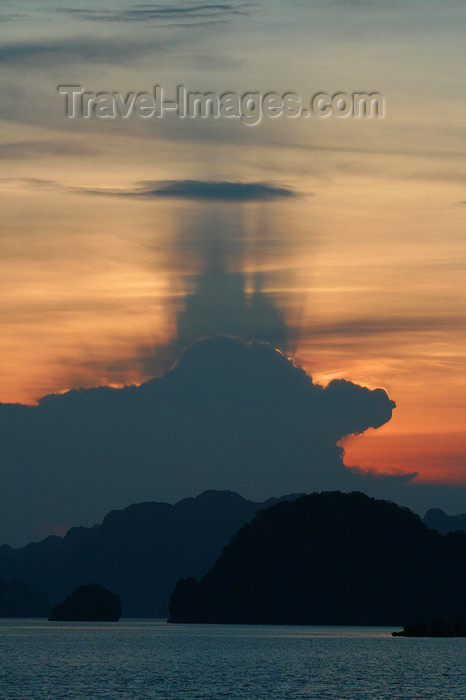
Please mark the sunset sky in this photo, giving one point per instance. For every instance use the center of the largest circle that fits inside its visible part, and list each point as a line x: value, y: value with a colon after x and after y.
x: 365, y: 253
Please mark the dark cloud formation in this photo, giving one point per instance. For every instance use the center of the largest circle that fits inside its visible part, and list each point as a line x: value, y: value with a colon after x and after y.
x: 189, y: 190
x: 210, y: 253
x: 83, y: 48
x: 217, y: 302
x: 229, y: 415
x: 175, y: 15
x: 201, y: 190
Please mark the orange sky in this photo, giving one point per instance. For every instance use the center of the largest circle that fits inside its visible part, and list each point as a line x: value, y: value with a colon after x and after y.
x: 367, y: 258
x: 377, y: 303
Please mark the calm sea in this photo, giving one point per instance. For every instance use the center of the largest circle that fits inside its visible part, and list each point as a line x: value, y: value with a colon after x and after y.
x: 151, y: 659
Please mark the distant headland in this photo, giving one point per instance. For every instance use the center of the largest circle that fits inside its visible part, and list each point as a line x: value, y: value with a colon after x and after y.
x: 330, y: 559
x: 439, y: 628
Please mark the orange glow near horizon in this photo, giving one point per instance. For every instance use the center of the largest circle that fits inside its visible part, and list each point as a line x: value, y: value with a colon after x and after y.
x: 435, y: 457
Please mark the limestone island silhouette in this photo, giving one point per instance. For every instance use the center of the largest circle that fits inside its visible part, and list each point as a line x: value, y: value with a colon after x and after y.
x: 439, y: 628
x: 89, y: 603
x: 329, y: 558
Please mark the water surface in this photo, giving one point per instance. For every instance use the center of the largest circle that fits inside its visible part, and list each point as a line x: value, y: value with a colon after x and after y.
x: 151, y: 659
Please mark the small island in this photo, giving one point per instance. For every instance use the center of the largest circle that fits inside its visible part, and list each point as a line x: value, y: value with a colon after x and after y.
x: 439, y: 628
x: 89, y: 603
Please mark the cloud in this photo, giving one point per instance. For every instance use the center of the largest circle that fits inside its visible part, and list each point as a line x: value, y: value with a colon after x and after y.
x: 201, y: 190
x: 230, y: 414
x: 21, y: 150
x: 78, y: 50
x: 85, y: 48
x: 365, y: 327
x: 441, y: 175
x: 183, y: 15
x: 11, y: 16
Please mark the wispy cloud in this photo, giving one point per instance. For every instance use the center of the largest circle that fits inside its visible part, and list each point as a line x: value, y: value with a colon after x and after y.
x: 441, y: 175
x: 21, y: 150
x: 179, y: 16
x: 364, y: 327
x: 77, y: 50
x: 201, y: 190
